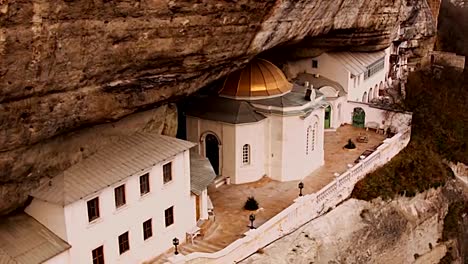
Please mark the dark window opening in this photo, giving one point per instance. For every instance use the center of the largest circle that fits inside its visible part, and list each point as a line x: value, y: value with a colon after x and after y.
x: 147, y: 229
x: 144, y: 184
x: 169, y: 216
x: 93, y: 209
x: 124, y: 244
x: 119, y: 193
x: 167, y: 172
x: 98, y: 255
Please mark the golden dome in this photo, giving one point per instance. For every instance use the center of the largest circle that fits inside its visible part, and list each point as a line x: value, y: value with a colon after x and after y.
x: 260, y: 78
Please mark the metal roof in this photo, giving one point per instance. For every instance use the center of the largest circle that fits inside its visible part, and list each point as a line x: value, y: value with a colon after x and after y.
x: 222, y: 109
x: 357, y: 62
x: 127, y: 156
x: 319, y: 82
x: 201, y: 173
x: 258, y: 78
x: 294, y: 98
x: 23, y: 240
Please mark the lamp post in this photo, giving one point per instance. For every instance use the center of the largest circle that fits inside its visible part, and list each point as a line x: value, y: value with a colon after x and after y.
x: 252, y: 219
x: 301, y: 186
x: 175, y: 242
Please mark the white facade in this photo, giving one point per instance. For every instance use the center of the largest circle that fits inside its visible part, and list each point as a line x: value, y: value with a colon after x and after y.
x: 278, y: 146
x: 71, y: 221
x: 335, y: 66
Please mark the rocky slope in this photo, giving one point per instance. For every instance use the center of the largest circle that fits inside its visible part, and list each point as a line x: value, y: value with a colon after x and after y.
x: 72, y: 64
x: 400, y: 231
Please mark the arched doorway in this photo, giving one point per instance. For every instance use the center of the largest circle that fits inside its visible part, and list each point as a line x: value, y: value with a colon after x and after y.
x: 359, y: 117
x: 364, y: 97
x: 370, y: 95
x: 212, y: 151
x: 327, y: 116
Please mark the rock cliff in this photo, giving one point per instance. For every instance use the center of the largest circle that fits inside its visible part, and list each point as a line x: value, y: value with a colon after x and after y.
x: 404, y: 230
x: 68, y: 65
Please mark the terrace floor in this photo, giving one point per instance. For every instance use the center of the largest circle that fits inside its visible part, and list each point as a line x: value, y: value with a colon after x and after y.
x: 274, y: 196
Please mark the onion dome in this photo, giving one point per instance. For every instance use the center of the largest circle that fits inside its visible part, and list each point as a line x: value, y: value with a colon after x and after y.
x: 258, y: 80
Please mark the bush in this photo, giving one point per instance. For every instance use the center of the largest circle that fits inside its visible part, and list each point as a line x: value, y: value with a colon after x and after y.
x: 251, y: 204
x: 453, y: 220
x: 350, y: 144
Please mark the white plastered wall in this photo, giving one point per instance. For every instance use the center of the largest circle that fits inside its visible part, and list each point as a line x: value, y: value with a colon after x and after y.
x: 399, y: 120
x: 61, y: 258
x: 233, y: 138
x: 251, y: 134
x: 50, y: 215
x: 84, y: 236
x: 334, y: 70
x: 289, y: 160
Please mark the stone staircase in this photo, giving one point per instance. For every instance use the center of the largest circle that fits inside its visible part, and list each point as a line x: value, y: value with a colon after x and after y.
x: 207, y: 227
x: 200, y: 246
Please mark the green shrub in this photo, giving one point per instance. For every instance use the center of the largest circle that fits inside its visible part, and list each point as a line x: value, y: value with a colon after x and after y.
x: 350, y: 144
x: 251, y: 204
x: 453, y: 220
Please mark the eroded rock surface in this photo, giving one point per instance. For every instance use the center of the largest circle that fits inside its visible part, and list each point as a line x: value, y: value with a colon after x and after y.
x: 405, y: 230
x: 66, y: 65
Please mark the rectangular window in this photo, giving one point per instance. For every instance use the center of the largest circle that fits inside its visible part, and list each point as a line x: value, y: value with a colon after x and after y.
x: 374, y: 68
x: 98, y: 255
x: 169, y: 216
x: 314, y: 64
x: 167, y: 172
x: 144, y: 184
x: 119, y: 194
x: 124, y: 244
x: 93, y: 209
x: 147, y: 229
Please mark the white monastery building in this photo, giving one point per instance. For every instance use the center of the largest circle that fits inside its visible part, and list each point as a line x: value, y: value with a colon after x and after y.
x: 124, y: 204
x: 259, y: 124
x: 363, y: 75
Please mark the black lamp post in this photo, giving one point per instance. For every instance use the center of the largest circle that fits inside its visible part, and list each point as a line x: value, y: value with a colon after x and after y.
x: 301, y: 186
x: 252, y: 219
x: 175, y: 242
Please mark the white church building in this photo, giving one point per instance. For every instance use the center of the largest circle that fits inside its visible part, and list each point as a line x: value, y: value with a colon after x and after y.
x: 123, y: 204
x: 259, y: 124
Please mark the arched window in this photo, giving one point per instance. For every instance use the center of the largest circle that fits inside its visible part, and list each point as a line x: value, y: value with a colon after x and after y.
x: 246, y: 154
x: 314, y: 136
x: 308, y: 139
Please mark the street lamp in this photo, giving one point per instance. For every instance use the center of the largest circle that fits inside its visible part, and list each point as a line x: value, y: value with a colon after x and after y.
x: 252, y: 219
x: 301, y: 186
x: 175, y: 242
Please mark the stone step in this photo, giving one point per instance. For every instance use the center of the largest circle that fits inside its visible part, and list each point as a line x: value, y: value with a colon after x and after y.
x: 219, y: 181
x: 201, y: 246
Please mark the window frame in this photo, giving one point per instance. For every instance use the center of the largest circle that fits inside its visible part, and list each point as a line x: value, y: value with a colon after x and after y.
x: 246, y: 159
x: 96, y: 209
x: 148, y: 229
x: 169, y: 216
x: 124, y: 242
x: 314, y: 64
x: 166, y: 181
x: 123, y: 199
x: 147, y: 184
x: 98, y: 259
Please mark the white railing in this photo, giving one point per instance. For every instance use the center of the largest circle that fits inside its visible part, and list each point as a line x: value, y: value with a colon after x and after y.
x: 303, y: 210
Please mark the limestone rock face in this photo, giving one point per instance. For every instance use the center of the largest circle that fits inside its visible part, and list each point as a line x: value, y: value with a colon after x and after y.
x: 67, y: 65
x: 405, y: 230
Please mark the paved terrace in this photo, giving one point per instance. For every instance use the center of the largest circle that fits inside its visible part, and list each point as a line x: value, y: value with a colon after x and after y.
x: 273, y: 196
